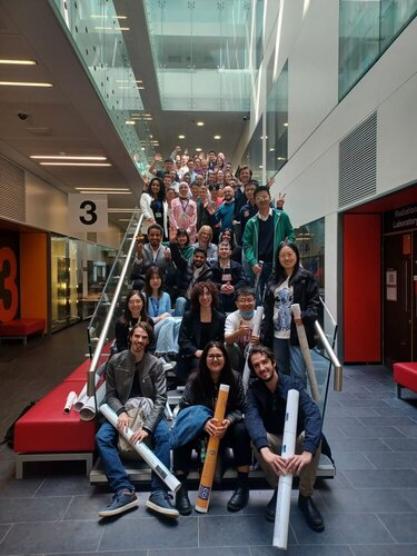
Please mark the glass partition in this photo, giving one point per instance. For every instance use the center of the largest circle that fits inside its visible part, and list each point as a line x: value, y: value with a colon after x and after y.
x: 201, y: 52
x: 253, y: 153
x: 97, y: 32
x: 277, y: 124
x: 366, y: 29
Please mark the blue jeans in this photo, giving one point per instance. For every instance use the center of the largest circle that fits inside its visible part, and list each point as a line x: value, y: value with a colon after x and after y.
x: 166, y: 332
x: 180, y: 306
x: 107, y: 438
x: 290, y: 360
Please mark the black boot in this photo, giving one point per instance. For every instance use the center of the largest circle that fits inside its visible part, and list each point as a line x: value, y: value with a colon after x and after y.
x: 240, y: 497
x: 311, y: 513
x: 182, y: 502
x: 271, y: 507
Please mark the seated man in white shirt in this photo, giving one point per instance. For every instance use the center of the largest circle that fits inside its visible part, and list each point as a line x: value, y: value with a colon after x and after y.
x: 238, y: 328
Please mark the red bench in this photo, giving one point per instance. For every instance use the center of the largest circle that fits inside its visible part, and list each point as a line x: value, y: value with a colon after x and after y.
x: 46, y: 433
x: 20, y: 329
x: 405, y: 376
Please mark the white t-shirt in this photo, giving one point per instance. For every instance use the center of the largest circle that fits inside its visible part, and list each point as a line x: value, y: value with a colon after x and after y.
x: 283, y: 299
x: 233, y: 323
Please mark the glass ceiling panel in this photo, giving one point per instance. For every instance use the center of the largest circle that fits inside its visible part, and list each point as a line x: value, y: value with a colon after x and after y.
x: 202, y: 53
x: 97, y: 32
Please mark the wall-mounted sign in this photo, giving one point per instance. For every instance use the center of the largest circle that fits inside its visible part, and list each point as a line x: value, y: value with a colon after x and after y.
x: 402, y: 219
x: 87, y: 212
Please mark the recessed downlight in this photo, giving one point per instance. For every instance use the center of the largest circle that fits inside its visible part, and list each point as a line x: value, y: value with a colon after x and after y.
x: 217, y: 137
x: 102, y: 189
x: 181, y: 136
x: 65, y: 157
x: 198, y: 149
x: 285, y: 124
x: 91, y: 164
x: 130, y: 122
x: 199, y: 124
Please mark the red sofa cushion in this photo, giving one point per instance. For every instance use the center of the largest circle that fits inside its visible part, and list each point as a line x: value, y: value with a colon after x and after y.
x: 405, y: 374
x: 22, y: 327
x: 46, y: 428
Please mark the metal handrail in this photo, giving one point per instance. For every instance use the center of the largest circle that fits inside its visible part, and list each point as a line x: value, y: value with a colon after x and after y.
x: 332, y: 319
x: 110, y: 276
x: 338, y: 369
x: 109, y: 317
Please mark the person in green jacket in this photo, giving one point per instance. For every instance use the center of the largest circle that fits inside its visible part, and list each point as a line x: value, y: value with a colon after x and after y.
x: 263, y: 234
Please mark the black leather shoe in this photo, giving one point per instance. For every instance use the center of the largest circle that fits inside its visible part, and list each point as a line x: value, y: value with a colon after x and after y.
x: 311, y: 513
x: 182, y: 502
x: 239, y: 499
x: 271, y: 507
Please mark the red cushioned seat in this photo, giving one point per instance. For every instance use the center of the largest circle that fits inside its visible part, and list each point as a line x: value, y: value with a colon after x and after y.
x: 80, y: 372
x: 405, y: 375
x: 46, y: 428
x: 21, y: 327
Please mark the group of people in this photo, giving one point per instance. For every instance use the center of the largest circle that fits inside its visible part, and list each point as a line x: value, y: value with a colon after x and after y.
x: 208, y: 260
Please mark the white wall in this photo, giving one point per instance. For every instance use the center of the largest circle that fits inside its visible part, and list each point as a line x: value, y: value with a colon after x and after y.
x: 46, y: 209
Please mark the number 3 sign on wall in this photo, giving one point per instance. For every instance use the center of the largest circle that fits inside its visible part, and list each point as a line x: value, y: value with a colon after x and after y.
x: 9, y: 293
x: 87, y: 212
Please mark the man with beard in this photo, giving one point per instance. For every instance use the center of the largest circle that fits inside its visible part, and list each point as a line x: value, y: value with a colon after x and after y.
x: 226, y: 210
x: 149, y: 254
x: 228, y: 277
x: 265, y: 419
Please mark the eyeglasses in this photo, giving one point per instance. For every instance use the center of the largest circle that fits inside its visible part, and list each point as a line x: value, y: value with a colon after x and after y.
x: 215, y: 356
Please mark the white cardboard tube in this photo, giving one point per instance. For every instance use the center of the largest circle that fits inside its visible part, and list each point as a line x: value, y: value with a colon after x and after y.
x: 82, y: 396
x: 88, y: 410
x: 282, y: 519
x: 71, y: 399
x: 255, y: 332
x: 144, y: 451
x: 305, y: 350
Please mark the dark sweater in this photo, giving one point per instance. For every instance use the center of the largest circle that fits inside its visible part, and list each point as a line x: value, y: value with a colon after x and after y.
x: 265, y: 412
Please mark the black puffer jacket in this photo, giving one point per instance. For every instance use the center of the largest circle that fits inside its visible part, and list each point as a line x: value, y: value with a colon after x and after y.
x: 306, y: 293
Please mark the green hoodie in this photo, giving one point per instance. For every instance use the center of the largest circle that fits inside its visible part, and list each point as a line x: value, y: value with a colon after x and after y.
x: 283, y: 230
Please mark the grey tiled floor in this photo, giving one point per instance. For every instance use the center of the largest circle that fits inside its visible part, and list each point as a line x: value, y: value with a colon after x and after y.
x: 370, y: 508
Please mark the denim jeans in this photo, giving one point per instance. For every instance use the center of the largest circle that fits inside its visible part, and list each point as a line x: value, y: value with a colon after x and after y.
x: 180, y: 306
x: 290, y: 360
x: 166, y: 332
x: 107, y: 438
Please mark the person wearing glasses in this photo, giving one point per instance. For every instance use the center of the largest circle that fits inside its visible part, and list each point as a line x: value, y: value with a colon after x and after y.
x: 195, y: 423
x: 263, y: 234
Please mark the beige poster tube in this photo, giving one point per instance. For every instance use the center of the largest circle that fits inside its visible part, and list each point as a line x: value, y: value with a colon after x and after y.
x: 88, y: 410
x: 305, y: 350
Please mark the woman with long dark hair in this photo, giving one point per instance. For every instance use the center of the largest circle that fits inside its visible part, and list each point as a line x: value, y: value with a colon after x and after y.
x: 134, y: 312
x: 201, y: 324
x: 289, y: 284
x: 195, y: 422
x: 158, y: 204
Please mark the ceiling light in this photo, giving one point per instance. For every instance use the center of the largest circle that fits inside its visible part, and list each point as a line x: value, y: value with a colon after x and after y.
x: 271, y: 149
x: 121, y: 16
x: 141, y: 88
x: 18, y: 62
x: 198, y: 149
x: 139, y: 81
x: 285, y: 124
x: 65, y: 157
x: 199, y: 124
x: 217, y: 137
x: 281, y: 158
x: 112, y: 28
x: 25, y: 84
x: 123, y: 219
x: 102, y: 189
x: 181, y: 136
x: 142, y: 149
x: 86, y: 192
x: 260, y: 166
x: 75, y: 163
x: 130, y: 122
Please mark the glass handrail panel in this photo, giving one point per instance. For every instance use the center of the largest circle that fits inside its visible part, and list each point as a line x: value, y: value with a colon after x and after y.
x: 97, y: 321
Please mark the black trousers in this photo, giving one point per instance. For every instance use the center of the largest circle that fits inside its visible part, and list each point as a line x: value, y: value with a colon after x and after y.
x: 236, y: 437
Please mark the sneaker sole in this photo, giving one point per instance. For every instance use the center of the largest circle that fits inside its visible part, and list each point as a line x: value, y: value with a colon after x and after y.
x: 162, y: 511
x: 117, y: 511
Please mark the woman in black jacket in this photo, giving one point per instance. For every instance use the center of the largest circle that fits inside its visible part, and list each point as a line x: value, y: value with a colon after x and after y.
x: 290, y: 284
x: 134, y: 312
x: 195, y: 421
x: 199, y: 326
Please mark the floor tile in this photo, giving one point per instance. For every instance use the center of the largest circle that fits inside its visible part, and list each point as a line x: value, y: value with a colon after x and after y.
x: 20, y: 488
x: 409, y: 495
x: 352, y: 460
x: 237, y: 530
x: 401, y: 526
x: 381, y: 477
x: 41, y: 538
x: 379, y: 550
x: 218, y: 551
x: 371, y: 431
x: 3, y: 531
x: 64, y: 486
x: 410, y: 430
x: 363, y: 445
x: 391, y: 421
x: 394, y: 460
x: 294, y: 550
x: 366, y: 500
x: 149, y: 532
x: 360, y: 528
x: 16, y: 510
x: 402, y: 444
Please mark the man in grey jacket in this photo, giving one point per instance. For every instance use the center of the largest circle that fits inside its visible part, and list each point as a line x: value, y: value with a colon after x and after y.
x: 130, y: 374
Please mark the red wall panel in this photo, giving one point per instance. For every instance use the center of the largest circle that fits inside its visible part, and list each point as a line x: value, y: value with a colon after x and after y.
x: 362, y: 288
